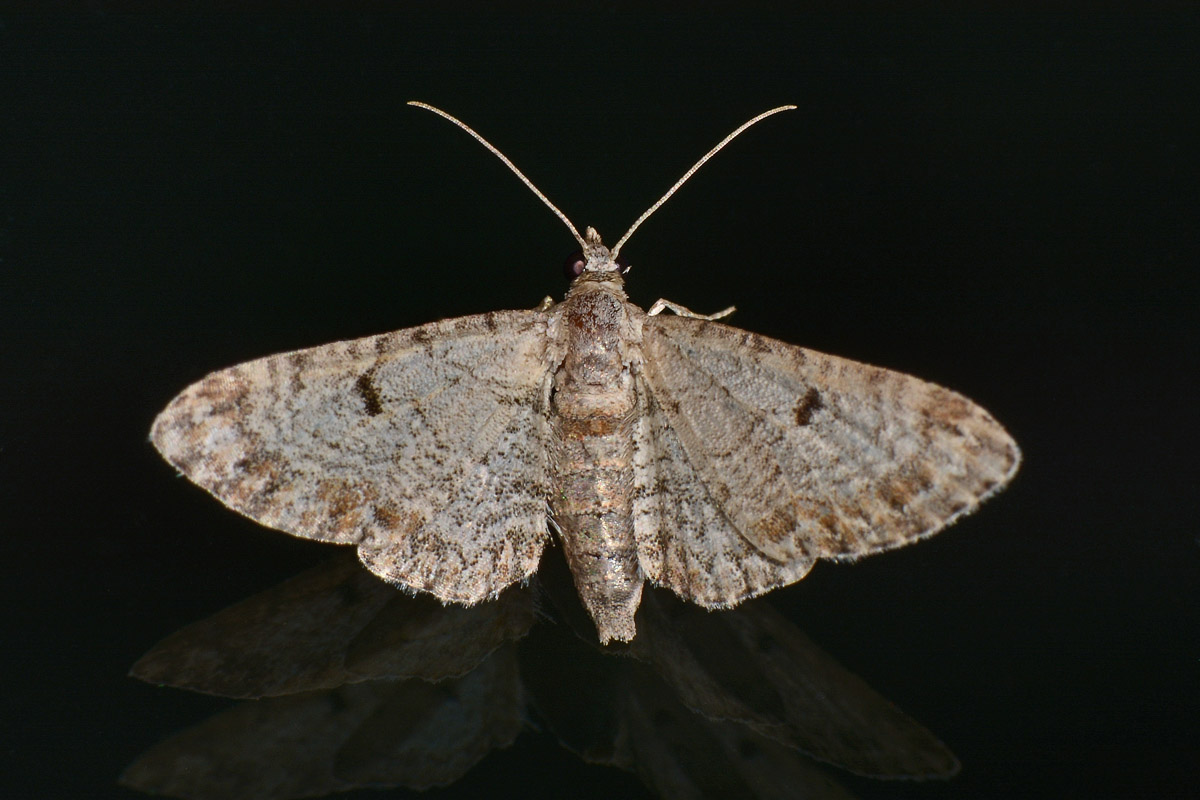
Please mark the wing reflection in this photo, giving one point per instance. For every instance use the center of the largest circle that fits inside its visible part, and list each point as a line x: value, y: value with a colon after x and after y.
x: 353, y: 684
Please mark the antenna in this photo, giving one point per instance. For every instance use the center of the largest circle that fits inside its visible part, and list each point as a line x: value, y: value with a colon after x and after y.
x: 574, y: 232
x: 692, y: 171
x: 507, y: 163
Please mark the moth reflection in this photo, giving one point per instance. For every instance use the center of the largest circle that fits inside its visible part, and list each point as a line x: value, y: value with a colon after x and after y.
x: 351, y: 683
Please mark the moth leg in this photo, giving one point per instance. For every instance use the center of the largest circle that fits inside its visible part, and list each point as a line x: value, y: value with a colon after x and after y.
x: 660, y: 305
x: 546, y: 304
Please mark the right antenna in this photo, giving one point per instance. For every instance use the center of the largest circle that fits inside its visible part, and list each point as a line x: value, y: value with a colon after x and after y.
x: 616, y: 248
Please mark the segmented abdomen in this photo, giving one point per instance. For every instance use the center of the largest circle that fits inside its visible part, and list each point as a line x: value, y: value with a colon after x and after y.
x: 591, y: 470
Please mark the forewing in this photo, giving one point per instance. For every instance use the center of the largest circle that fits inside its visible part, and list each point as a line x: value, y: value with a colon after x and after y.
x: 808, y: 455
x: 423, y: 447
x: 685, y: 540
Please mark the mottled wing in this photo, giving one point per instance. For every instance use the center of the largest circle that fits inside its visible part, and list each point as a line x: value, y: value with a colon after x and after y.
x: 424, y: 447
x: 758, y: 457
x: 684, y: 539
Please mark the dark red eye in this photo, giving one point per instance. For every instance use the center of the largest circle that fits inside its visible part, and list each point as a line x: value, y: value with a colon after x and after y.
x: 573, y: 266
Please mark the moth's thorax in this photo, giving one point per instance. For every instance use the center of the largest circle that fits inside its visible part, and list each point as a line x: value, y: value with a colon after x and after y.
x: 592, y: 410
x: 597, y: 332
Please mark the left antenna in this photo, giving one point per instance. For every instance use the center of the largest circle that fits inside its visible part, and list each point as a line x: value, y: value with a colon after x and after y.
x: 507, y: 163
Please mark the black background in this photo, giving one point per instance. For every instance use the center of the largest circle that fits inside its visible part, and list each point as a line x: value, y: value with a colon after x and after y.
x: 1005, y: 204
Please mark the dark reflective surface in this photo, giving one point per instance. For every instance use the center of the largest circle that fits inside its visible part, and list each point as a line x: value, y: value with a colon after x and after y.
x: 355, y: 684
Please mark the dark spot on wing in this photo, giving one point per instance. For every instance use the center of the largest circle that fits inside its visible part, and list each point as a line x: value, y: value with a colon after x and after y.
x: 756, y: 343
x: 777, y: 525
x: 808, y: 405
x: 299, y: 361
x: 369, y: 394
x: 386, y: 516
x: 896, y: 494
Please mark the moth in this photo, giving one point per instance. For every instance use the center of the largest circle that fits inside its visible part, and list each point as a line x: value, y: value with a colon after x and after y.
x: 667, y: 447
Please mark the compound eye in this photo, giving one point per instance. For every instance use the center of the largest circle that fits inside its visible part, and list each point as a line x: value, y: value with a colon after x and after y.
x: 573, y: 266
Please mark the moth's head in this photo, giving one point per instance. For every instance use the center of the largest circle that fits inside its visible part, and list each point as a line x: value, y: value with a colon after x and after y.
x: 594, y: 261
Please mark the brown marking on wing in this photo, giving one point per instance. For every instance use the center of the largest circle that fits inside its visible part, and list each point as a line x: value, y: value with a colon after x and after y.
x: 393, y: 519
x: 808, y: 405
x: 345, y: 506
x: 365, y: 385
x: 776, y: 525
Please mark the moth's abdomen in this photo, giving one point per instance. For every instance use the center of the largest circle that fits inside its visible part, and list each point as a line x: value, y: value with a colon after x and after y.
x: 592, y: 505
x: 592, y: 468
